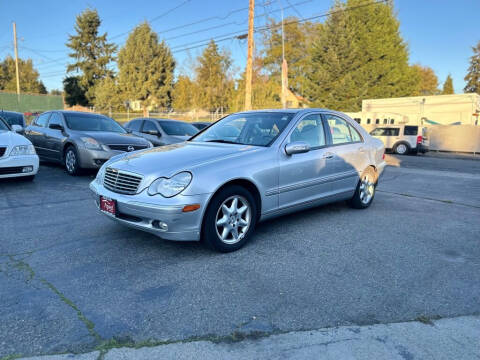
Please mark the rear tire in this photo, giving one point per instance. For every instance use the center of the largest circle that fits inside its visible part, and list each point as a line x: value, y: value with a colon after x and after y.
x: 401, y: 149
x: 365, y: 191
x: 230, y: 219
x: 70, y: 160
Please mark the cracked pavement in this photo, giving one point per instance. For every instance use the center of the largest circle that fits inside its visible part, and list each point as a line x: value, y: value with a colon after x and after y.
x: 73, y: 281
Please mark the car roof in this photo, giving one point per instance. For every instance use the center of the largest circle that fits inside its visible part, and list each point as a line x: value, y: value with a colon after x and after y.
x: 292, y: 111
x: 10, y: 112
x: 161, y: 119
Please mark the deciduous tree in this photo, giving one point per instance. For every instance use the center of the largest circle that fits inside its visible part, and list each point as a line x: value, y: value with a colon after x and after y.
x: 428, y: 81
x: 29, y: 78
x: 146, y: 68
x: 91, y: 52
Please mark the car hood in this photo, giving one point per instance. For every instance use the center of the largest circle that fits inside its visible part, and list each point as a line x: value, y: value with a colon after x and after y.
x: 105, y: 137
x: 170, y: 159
x: 11, y: 138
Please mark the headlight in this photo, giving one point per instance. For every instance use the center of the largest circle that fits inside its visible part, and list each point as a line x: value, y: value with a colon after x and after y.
x: 20, y: 150
x: 168, y: 187
x: 91, y: 143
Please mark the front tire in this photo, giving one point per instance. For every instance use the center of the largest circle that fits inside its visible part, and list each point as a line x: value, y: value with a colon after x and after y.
x: 365, y: 191
x: 230, y: 219
x: 71, y: 161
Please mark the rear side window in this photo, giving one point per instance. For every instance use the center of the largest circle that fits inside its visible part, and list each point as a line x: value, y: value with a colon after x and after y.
x: 134, y: 125
x: 13, y: 118
x: 339, y: 129
x: 355, y: 135
x: 42, y: 119
x: 385, y: 132
x: 410, y: 130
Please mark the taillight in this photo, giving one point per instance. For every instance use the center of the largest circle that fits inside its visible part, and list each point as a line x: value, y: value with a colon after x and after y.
x: 419, y: 139
x: 383, y: 156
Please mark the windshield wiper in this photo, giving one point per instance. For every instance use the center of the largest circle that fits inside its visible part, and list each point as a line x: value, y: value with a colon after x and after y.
x: 224, y: 141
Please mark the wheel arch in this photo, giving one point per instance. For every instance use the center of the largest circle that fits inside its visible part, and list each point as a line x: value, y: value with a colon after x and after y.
x: 66, y: 145
x: 245, y: 183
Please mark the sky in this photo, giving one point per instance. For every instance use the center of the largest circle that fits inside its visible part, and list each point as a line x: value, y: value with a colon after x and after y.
x: 439, y: 33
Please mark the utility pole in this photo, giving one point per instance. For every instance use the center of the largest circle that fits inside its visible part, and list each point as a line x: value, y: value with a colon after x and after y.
x: 284, y: 65
x: 16, y: 57
x: 249, y: 70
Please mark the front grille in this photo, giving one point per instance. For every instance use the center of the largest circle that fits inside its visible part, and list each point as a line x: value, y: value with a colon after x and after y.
x: 2, y: 151
x: 127, y: 147
x: 11, y: 170
x: 121, y: 182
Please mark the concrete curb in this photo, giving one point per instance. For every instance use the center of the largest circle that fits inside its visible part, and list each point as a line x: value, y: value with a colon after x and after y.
x: 454, y: 338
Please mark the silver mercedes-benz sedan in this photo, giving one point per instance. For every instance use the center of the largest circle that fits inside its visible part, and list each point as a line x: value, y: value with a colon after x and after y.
x: 245, y: 168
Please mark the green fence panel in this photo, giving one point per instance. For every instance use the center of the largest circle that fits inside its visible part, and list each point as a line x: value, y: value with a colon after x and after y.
x: 29, y: 102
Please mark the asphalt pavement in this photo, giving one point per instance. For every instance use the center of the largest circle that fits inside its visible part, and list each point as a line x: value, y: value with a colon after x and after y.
x: 72, y: 280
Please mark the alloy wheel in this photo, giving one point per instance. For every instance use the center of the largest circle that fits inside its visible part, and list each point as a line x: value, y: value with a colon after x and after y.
x: 367, y: 189
x: 233, y: 219
x: 70, y: 161
x: 401, y: 149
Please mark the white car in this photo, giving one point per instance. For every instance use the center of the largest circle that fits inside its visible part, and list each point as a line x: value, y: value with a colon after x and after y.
x: 17, y: 154
x: 403, y: 139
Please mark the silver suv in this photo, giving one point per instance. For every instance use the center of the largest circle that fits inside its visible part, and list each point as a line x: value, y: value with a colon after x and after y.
x: 403, y: 139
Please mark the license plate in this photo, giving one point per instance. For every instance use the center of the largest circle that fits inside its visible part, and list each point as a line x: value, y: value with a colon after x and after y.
x: 108, y: 206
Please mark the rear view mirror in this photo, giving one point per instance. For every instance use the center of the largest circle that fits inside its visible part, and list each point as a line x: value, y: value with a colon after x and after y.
x: 17, y: 128
x: 297, y: 147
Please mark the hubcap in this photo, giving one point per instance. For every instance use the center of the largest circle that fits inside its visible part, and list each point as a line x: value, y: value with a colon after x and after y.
x: 401, y: 149
x: 367, y: 189
x: 233, y: 219
x: 70, y: 161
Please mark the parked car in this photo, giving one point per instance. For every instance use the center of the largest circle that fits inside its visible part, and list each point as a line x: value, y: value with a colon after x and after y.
x: 80, y: 140
x: 403, y: 139
x: 17, y: 154
x: 14, y: 118
x: 217, y: 188
x: 200, y: 125
x: 161, y: 131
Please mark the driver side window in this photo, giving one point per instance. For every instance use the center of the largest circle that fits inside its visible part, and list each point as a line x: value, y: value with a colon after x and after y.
x: 309, y: 130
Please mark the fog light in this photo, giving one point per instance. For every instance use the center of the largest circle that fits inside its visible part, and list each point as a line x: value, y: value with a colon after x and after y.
x: 160, y: 225
x: 27, y: 169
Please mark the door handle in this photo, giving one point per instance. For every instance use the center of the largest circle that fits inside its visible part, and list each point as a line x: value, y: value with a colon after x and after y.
x: 328, y: 156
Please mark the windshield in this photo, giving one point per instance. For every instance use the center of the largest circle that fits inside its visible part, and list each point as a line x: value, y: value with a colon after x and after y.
x: 178, y: 128
x: 12, y: 118
x: 91, y: 122
x: 3, y: 125
x: 258, y: 129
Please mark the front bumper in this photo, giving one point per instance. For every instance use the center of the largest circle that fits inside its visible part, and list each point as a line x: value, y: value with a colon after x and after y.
x: 94, y: 159
x: 143, y: 212
x: 19, y: 162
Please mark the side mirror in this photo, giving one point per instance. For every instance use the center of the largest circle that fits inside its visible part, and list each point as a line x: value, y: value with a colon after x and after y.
x: 153, y: 132
x: 297, y: 147
x: 17, y: 128
x: 56, y: 127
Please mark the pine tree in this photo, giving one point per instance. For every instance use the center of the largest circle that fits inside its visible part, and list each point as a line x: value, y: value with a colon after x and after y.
x: 448, y: 86
x: 212, y: 78
x: 29, y: 79
x: 146, y: 68
x: 358, y: 54
x: 428, y: 81
x: 91, y: 52
x: 473, y: 75
x: 184, y: 94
